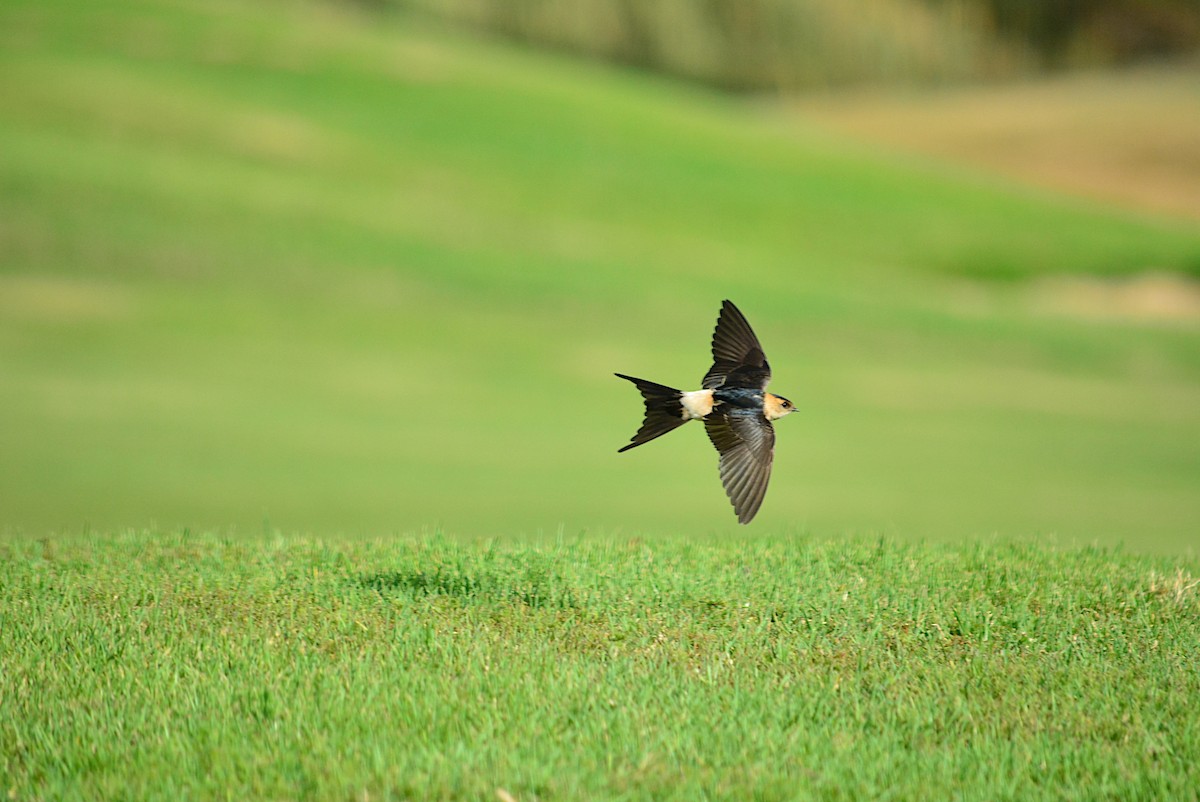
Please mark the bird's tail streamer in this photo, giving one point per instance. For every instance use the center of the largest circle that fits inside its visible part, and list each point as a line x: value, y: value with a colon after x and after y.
x: 664, y: 411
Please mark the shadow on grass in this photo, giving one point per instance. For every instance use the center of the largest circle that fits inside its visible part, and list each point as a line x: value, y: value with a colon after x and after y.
x: 532, y: 588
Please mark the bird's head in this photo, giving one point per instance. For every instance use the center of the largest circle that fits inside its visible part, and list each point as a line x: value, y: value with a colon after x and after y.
x: 776, y: 406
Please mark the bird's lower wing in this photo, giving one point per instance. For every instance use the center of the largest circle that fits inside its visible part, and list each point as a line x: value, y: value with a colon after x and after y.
x: 746, y: 442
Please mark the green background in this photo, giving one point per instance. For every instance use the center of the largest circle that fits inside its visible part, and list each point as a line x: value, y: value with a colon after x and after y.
x: 311, y: 270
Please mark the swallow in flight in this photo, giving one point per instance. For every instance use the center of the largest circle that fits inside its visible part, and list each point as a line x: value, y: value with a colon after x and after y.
x: 736, y: 409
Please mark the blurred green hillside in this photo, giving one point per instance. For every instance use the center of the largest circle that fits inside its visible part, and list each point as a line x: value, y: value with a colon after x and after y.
x: 316, y: 268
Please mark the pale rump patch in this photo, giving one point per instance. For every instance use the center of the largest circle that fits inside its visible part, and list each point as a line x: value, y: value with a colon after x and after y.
x: 697, y: 404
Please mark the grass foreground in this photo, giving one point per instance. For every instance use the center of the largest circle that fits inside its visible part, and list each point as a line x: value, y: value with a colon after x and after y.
x: 176, y: 665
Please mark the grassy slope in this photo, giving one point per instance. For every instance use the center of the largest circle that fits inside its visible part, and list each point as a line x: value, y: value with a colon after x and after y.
x: 294, y: 265
x: 160, y: 665
x: 289, y: 263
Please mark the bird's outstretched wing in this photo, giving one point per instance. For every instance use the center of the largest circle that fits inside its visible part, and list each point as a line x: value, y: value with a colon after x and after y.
x: 746, y: 442
x: 738, y: 359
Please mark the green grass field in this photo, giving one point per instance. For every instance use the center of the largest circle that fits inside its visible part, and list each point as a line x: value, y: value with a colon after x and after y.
x: 166, y: 666
x: 285, y: 289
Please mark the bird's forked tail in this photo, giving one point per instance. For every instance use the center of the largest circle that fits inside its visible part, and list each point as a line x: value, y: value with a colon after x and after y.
x: 664, y: 411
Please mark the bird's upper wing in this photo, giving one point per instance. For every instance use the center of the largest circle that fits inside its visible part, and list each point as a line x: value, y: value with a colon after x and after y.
x: 738, y: 359
x: 746, y: 443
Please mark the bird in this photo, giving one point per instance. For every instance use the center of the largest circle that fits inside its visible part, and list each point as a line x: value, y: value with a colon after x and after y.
x: 737, y: 411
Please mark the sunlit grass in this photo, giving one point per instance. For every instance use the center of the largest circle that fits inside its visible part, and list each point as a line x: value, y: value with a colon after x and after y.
x: 159, y: 665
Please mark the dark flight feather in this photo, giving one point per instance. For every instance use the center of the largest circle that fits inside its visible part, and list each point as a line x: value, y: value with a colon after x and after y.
x: 746, y: 442
x: 738, y: 358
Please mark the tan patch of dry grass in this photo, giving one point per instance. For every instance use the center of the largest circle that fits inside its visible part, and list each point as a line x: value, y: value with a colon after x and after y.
x: 58, y: 300
x: 1179, y: 588
x: 1160, y: 297
x: 1131, y: 138
x: 131, y: 105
